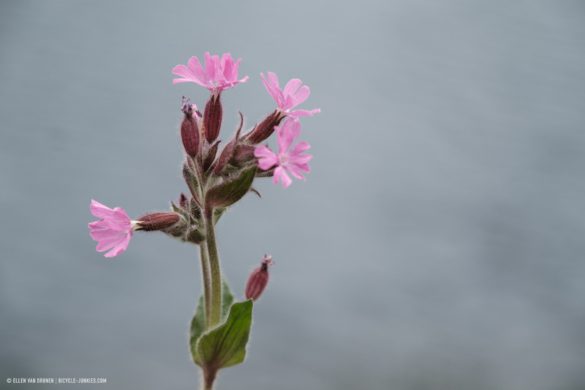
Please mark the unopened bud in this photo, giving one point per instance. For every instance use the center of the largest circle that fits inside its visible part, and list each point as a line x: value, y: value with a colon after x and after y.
x: 258, y: 279
x: 157, y: 221
x: 183, y: 201
x: 228, y: 151
x: 189, y: 129
x: 212, y: 117
x: 264, y: 129
x: 243, y: 154
x: 211, y: 153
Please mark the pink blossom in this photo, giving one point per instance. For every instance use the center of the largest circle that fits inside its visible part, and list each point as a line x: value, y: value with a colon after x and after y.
x: 113, y: 231
x: 293, y: 94
x: 289, y: 159
x: 218, y: 74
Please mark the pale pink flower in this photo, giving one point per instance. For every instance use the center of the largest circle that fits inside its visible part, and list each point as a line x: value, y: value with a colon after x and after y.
x: 293, y: 94
x: 113, y: 231
x: 218, y: 74
x: 289, y: 159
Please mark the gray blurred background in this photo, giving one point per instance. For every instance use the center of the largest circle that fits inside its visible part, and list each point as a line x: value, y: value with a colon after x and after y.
x: 437, y: 244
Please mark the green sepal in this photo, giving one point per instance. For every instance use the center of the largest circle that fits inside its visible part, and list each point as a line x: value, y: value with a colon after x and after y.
x: 231, y: 189
x: 225, y: 345
x: 198, y: 321
x: 195, y: 236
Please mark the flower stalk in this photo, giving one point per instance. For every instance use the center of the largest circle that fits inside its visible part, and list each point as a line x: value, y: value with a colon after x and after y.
x: 214, y: 269
x: 206, y: 276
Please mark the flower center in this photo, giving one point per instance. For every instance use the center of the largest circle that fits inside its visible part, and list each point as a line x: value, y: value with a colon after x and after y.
x: 282, y: 159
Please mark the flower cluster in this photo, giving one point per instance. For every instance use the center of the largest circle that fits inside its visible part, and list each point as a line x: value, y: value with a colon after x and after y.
x: 199, y: 133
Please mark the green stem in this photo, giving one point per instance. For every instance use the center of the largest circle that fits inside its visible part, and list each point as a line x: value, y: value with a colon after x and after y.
x: 214, y: 267
x: 206, y: 281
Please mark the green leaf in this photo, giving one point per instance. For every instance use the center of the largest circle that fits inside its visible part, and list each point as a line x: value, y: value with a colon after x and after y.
x: 225, y: 345
x: 226, y: 300
x: 198, y: 321
x: 232, y: 189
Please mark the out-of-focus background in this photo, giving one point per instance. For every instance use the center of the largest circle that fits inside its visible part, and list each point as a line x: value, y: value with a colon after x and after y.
x: 438, y: 242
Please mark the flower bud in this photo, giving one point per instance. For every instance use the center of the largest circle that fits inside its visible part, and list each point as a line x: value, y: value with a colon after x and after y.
x: 243, y: 154
x: 183, y: 201
x: 211, y: 153
x: 157, y: 221
x: 228, y: 151
x: 189, y: 129
x: 258, y: 279
x: 265, y: 128
x: 212, y: 117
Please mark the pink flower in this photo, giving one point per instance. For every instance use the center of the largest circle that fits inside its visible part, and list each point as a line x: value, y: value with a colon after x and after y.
x: 218, y: 74
x: 288, y: 160
x: 113, y: 231
x: 293, y: 94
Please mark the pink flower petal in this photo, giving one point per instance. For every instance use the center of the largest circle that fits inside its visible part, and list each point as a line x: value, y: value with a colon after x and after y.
x: 183, y: 72
x: 197, y: 71
x: 108, y: 243
x: 301, y: 95
x: 227, y: 65
x: 296, y: 171
x: 280, y: 175
x: 271, y: 84
x: 303, y: 113
x: 209, y: 67
x: 266, y: 157
x: 300, y: 148
x: 99, y: 210
x: 290, y: 89
x: 121, y: 247
x: 286, y: 133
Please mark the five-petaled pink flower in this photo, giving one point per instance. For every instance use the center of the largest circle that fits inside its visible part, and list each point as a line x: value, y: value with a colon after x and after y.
x: 293, y: 94
x: 218, y: 74
x: 113, y: 231
x: 289, y: 159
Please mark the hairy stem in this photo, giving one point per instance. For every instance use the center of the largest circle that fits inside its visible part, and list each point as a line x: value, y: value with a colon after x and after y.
x: 206, y: 281
x: 214, y: 267
x: 208, y: 379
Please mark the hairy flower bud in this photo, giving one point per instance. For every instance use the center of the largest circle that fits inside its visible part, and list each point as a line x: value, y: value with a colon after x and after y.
x: 212, y: 117
x: 243, y: 154
x: 183, y: 201
x: 211, y: 153
x: 157, y: 221
x: 258, y: 279
x: 265, y: 128
x: 228, y: 151
x: 189, y: 129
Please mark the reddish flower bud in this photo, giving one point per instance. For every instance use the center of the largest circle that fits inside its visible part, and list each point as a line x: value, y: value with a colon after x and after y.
x: 264, y: 129
x: 157, y: 221
x: 228, y: 151
x: 189, y: 129
x: 183, y: 201
x: 212, y: 117
x: 243, y: 154
x: 258, y: 279
x: 211, y: 153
